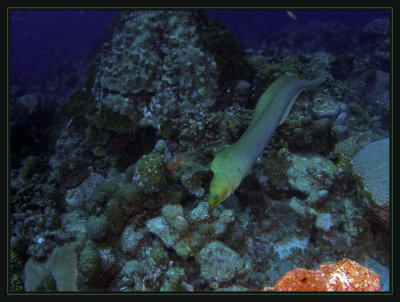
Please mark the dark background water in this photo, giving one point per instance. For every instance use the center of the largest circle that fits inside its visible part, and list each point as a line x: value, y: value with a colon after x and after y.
x: 251, y: 26
x: 42, y: 40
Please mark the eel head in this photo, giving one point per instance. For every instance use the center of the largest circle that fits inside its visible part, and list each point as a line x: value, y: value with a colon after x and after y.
x: 219, y: 190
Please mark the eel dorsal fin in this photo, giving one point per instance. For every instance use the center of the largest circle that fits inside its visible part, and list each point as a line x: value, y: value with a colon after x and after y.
x: 305, y: 85
x: 288, y: 108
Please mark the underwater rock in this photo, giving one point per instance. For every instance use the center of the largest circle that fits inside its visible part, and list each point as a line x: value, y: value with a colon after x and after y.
x: 340, y: 132
x: 162, y: 229
x: 376, y: 101
x: 96, y: 228
x: 321, y: 127
x: 171, y: 238
x: 130, y: 239
x: 41, y: 248
x: 130, y: 268
x: 115, y: 216
x: 324, y: 106
x: 31, y: 165
x: 89, y: 264
x: 173, y: 214
x: 242, y: 91
x: 298, y: 133
x: 95, y: 138
x: 37, y: 277
x: 242, y: 87
x: 323, y: 194
x: 200, y: 213
x: 187, y: 236
x: 342, y: 119
x: 108, y: 118
x: 340, y: 127
x: 324, y: 222
x: 147, y: 271
x: 310, y: 174
x: 131, y: 196
x: 173, y: 277
x: 306, y: 120
x: 275, y: 167
x: 226, y: 216
x: 131, y: 277
x: 301, y: 209
x: 191, y: 176
x: 323, y: 60
x: 233, y: 288
x: 356, y: 110
x: 226, y: 50
x: 348, y: 147
x: 154, y: 64
x: 78, y: 196
x: 96, y: 202
x: 72, y: 172
x: 108, y: 187
x: 63, y: 264
x: 99, y: 151
x: 150, y: 172
x: 371, y: 164
x: 108, y: 257
x: 218, y: 262
x: 129, y: 173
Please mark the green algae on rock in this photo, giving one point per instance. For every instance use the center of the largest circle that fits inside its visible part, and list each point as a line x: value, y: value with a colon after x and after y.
x: 107, y: 118
x: 96, y: 228
x: 151, y: 172
x: 31, y: 166
x: 89, y: 264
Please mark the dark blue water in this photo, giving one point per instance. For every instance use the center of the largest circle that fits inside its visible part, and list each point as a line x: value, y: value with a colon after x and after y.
x: 41, y: 40
x: 251, y: 25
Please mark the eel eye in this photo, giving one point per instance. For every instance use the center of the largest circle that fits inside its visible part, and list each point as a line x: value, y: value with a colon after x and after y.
x: 215, y: 197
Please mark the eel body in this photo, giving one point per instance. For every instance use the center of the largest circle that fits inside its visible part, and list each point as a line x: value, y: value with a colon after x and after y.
x: 233, y: 164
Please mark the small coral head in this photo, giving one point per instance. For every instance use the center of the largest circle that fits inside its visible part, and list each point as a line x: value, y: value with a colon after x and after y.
x: 219, y: 191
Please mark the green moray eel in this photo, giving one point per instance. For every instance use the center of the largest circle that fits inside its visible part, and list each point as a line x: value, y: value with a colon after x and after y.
x: 233, y: 164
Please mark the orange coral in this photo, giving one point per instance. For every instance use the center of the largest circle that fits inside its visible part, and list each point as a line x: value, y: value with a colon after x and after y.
x: 300, y: 279
x: 344, y: 275
x: 175, y: 164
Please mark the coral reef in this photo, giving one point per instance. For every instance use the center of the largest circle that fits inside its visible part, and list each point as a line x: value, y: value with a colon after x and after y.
x: 218, y: 262
x: 150, y: 66
x: 63, y: 265
x: 89, y: 264
x: 150, y: 172
x: 371, y: 164
x: 38, y: 277
x: 186, y: 236
x: 311, y: 175
x: 118, y: 202
x: 344, y: 275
